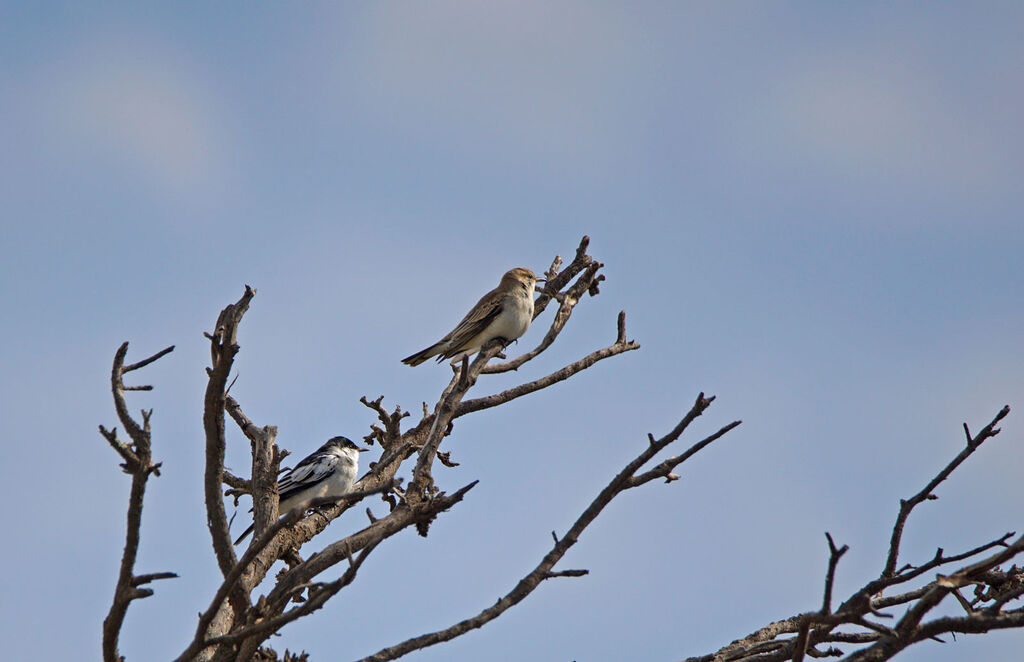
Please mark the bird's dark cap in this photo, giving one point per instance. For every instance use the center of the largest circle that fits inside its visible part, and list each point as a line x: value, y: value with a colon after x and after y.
x: 344, y: 442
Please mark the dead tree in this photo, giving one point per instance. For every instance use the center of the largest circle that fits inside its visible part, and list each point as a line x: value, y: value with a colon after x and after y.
x: 236, y: 624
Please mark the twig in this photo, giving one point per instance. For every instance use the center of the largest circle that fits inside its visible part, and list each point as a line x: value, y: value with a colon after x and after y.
x: 907, y: 505
x: 559, y: 279
x: 144, y: 362
x: 486, y: 402
x: 834, y: 554
x: 237, y: 482
x: 392, y: 431
x: 566, y: 573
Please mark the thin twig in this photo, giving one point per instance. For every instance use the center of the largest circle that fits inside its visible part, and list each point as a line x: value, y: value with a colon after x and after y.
x: 907, y: 505
x: 486, y: 402
x: 834, y: 554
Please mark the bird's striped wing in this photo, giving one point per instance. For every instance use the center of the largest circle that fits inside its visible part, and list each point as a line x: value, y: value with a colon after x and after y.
x: 311, y: 471
x: 482, y: 314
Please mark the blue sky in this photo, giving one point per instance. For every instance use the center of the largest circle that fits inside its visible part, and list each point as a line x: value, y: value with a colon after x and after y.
x: 809, y: 210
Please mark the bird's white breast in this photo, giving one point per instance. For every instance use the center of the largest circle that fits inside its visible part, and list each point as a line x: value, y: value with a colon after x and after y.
x: 341, y: 480
x: 515, y: 317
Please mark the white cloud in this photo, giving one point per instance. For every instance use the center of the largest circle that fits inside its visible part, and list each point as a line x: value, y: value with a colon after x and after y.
x: 138, y: 103
x: 543, y: 86
x: 888, y: 117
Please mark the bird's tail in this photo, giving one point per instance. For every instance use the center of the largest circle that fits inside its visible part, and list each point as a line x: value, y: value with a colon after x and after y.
x: 245, y: 534
x: 422, y: 355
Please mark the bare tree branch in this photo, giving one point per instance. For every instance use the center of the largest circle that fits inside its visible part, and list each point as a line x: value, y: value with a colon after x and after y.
x: 260, y: 541
x: 391, y: 434
x: 834, y: 554
x: 238, y: 483
x: 558, y: 279
x: 470, y: 406
x: 621, y: 482
x: 399, y: 519
x: 144, y: 362
x: 266, y: 463
x: 880, y: 642
x: 907, y: 505
x: 299, y: 576
x: 138, y: 461
x: 270, y: 625
x: 223, y: 348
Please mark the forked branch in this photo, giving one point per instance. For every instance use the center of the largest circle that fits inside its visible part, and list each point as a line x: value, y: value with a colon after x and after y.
x: 927, y: 493
x: 138, y: 461
x: 800, y: 635
x: 623, y: 481
x: 223, y: 348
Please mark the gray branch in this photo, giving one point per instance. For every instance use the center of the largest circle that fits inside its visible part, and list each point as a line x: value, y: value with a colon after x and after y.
x: 544, y: 570
x: 797, y: 636
x: 138, y: 461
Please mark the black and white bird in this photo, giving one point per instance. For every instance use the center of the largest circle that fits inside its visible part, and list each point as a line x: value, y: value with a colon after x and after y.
x: 328, y: 472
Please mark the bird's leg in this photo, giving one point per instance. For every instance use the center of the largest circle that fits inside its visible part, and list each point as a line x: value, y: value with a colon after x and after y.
x: 505, y: 342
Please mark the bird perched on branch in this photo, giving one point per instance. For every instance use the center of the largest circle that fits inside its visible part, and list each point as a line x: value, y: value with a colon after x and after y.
x: 505, y: 312
x: 328, y: 472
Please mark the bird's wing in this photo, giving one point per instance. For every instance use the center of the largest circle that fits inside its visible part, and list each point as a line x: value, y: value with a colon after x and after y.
x: 311, y: 471
x: 482, y: 314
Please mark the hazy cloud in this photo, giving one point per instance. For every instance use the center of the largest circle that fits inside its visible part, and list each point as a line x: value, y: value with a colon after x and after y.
x: 491, y: 80
x: 142, y: 106
x: 889, y: 120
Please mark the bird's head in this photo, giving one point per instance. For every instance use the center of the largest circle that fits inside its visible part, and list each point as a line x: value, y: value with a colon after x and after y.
x: 522, y: 277
x: 345, y: 446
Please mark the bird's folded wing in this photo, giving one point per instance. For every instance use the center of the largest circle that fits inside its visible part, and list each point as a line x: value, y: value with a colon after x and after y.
x: 483, y: 313
x: 307, y: 474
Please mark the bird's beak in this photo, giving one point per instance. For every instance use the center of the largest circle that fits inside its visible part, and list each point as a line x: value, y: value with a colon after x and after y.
x: 362, y: 450
x: 541, y: 280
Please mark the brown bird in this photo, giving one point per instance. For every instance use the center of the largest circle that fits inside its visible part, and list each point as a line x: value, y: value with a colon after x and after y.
x: 505, y: 312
